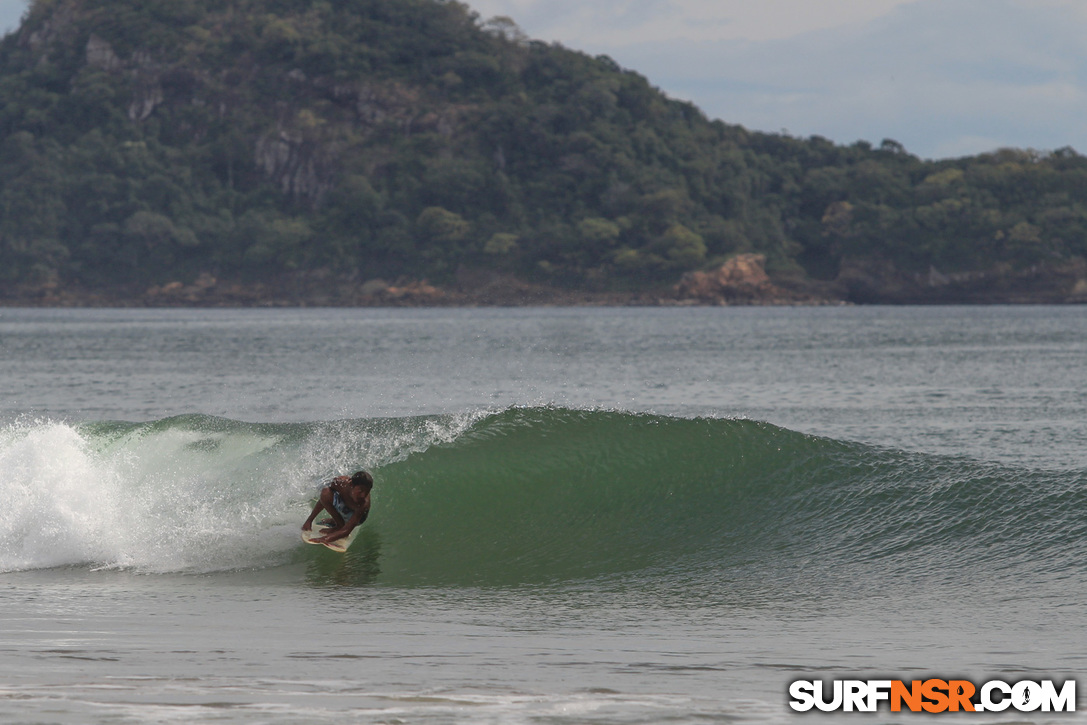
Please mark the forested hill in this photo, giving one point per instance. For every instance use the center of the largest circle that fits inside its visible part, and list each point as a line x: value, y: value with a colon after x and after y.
x: 149, y: 141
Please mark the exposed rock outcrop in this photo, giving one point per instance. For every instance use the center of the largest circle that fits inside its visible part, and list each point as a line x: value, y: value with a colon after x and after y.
x: 740, y: 280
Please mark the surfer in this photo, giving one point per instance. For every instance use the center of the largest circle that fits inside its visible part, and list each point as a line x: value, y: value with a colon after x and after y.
x: 347, y: 501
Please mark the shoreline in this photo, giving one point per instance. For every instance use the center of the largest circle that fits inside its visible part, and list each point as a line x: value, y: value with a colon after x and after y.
x: 98, y: 300
x: 741, y: 282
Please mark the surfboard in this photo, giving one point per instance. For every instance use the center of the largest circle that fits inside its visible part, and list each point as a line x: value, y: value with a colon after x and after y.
x: 339, y: 545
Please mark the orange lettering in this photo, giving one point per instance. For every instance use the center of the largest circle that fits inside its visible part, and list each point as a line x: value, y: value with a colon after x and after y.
x: 960, y: 692
x: 933, y: 690
x: 912, y: 696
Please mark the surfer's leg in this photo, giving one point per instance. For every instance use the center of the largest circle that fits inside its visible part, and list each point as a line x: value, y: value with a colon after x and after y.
x: 341, y: 507
x: 328, y: 500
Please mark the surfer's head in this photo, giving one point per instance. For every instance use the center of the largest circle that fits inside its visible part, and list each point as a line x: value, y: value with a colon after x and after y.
x: 362, y: 478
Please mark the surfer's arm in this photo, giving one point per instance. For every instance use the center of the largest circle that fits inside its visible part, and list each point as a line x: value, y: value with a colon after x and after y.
x: 344, y: 531
x: 309, y: 522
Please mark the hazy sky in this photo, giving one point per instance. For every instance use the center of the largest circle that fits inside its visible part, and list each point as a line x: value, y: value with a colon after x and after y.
x: 943, y: 77
x: 10, y: 12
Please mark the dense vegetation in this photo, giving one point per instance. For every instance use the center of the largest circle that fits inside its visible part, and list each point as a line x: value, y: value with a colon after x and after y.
x: 149, y: 140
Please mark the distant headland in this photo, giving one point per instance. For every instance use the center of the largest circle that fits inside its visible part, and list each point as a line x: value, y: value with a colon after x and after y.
x: 408, y: 152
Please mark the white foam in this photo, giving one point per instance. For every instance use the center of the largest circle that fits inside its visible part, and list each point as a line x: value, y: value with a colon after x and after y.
x: 196, y: 495
x: 161, y: 502
x: 59, y: 502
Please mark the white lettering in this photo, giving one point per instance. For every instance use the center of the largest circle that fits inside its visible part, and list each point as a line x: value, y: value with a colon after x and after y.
x: 1063, y: 702
x: 803, y: 694
x: 993, y: 696
x: 878, y: 690
x: 987, y: 700
x: 1027, y: 696
x: 856, y: 696
x: 835, y: 703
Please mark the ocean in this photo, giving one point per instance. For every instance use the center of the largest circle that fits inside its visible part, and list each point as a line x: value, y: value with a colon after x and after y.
x: 580, y: 515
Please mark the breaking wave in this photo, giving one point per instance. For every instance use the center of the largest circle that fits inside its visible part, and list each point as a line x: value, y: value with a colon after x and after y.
x: 527, y: 495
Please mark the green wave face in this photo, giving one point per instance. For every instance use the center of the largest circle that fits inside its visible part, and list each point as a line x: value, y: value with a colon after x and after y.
x: 545, y: 494
x: 535, y: 496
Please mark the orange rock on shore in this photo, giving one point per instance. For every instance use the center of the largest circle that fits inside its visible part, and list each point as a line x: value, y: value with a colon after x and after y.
x: 740, y: 280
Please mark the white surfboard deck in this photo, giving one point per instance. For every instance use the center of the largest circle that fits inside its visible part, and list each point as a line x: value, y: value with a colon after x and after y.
x: 339, y: 545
